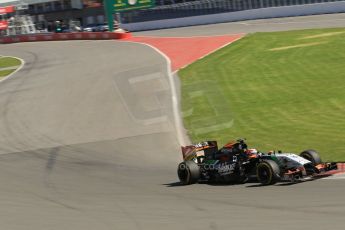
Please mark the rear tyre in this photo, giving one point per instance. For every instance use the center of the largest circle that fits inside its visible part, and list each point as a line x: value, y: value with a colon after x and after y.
x: 188, y: 172
x: 312, y: 156
x: 267, y: 172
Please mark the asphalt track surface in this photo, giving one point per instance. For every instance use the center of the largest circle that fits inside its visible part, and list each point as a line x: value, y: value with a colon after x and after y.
x: 87, y: 142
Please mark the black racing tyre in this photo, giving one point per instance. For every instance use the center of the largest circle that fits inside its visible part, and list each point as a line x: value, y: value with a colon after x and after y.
x: 311, y: 155
x: 267, y: 172
x: 188, y: 172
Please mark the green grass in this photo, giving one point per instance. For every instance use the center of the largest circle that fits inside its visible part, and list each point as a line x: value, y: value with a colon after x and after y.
x: 6, y: 62
x: 4, y: 73
x: 289, y: 99
x: 9, y: 62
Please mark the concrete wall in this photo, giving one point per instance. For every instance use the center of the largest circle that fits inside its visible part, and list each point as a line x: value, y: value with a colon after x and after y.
x: 273, y: 12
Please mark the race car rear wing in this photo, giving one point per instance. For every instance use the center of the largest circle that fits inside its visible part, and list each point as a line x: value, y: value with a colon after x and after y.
x: 191, y: 152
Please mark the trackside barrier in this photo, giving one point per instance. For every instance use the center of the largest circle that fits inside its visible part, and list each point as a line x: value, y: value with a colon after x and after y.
x: 65, y: 37
x: 251, y: 14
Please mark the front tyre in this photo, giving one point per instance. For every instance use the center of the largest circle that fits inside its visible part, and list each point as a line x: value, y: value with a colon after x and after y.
x: 188, y: 172
x: 267, y: 172
x: 312, y: 156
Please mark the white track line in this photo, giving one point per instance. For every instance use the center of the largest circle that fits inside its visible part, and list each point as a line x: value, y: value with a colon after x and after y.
x: 14, y: 72
x: 340, y: 176
x: 177, y: 116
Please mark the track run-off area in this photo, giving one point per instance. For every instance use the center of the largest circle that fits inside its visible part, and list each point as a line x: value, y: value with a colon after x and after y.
x: 88, y: 141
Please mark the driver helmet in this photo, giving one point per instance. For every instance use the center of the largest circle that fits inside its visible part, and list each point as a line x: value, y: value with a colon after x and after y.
x: 252, y: 151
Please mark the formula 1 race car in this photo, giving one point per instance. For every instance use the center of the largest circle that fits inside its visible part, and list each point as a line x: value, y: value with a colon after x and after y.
x: 236, y: 163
